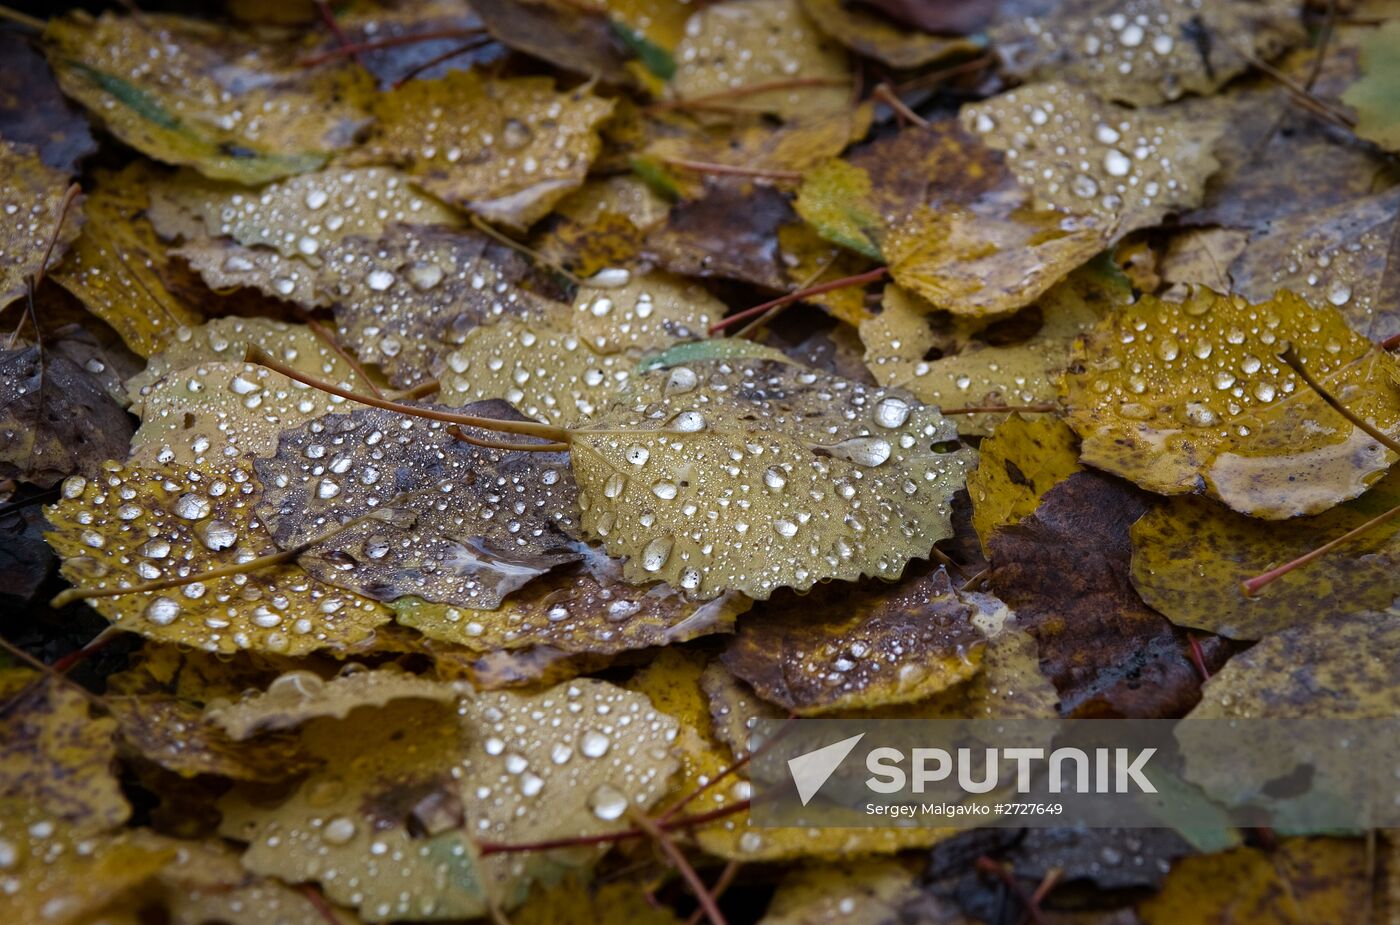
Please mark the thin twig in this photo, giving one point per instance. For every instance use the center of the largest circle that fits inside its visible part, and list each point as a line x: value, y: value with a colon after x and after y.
x: 722, y: 884
x: 988, y: 866
x: 69, y: 196
x: 329, y: 339
x: 481, y: 225
x: 730, y: 169
x: 683, y: 822
x: 1301, y: 95
x: 1322, y: 43
x: 1198, y: 655
x: 859, y: 279
x: 323, y: 8
x: 937, y: 77
x: 473, y: 45
x: 390, y: 41
x: 682, y: 865
x: 1040, y: 407
x: 1290, y: 357
x: 465, y: 437
x: 23, y: 19
x: 1253, y: 586
x: 758, y: 323
x: 885, y: 93
x: 99, y: 642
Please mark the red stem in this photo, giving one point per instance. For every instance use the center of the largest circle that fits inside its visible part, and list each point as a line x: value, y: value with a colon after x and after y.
x: 686, y: 869
x: 1198, y: 656
x: 860, y: 279
x: 707, y: 167
x: 684, y: 822
x: 987, y: 866
x: 445, y: 56
x: 1252, y: 586
x: 1040, y: 407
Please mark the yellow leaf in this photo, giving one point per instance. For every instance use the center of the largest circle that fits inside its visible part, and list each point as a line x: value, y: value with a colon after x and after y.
x: 31, y: 193
x: 1193, y: 398
x: 1023, y: 459
x: 506, y: 149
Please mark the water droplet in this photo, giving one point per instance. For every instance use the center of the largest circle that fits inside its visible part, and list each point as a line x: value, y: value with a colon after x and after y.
x: 775, y: 478
x: 339, y: 830
x: 607, y: 802
x: 163, y: 611
x: 191, y: 506
x: 1116, y: 163
x: 892, y: 412
x: 682, y: 379
x: 379, y: 280
x: 863, y: 451
x: 664, y: 490
x: 656, y: 553
x: 638, y: 455
x: 594, y: 744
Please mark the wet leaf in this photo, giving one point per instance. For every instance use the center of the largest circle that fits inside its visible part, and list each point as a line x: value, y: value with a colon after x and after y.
x: 572, y: 36
x: 580, y: 608
x: 1064, y: 570
x: 1343, y: 668
x: 1193, y: 398
x: 1302, y: 880
x: 200, y: 95
x: 174, y: 734
x: 731, y: 232
x: 55, y: 418
x: 1374, y: 95
x: 59, y: 760
x: 569, y: 760
x: 600, y: 225
x: 907, y: 346
x: 1129, y: 168
x: 1016, y: 466
x: 575, y: 902
x: 859, y: 892
x: 436, y: 517
x: 34, y: 113
x: 716, y: 477
x: 827, y: 651
x: 117, y: 267
x: 1338, y: 256
x: 882, y: 39
x: 298, y: 697
x: 130, y: 526
x: 1190, y: 556
x: 744, y: 44
x: 32, y: 195
x: 61, y: 875
x: 1143, y: 52
x: 506, y: 149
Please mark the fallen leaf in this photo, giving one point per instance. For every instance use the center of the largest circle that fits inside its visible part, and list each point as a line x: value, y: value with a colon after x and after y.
x: 886, y: 41
x: 1373, y: 96
x: 130, y: 526
x: 172, y: 733
x: 1300, y: 880
x: 575, y: 902
x: 579, y: 608
x: 833, y: 650
x: 35, y: 113
x: 743, y: 45
x: 117, y: 266
x: 1023, y: 459
x: 1110, y: 859
x: 959, y: 17
x: 55, y: 418
x: 389, y: 477
x: 716, y: 476
x: 1130, y: 168
x: 32, y: 195
x: 1191, y: 554
x: 1142, y: 52
x: 572, y: 36
x: 59, y: 760
x: 731, y: 232
x: 1193, y: 398
x: 506, y: 149
x: 1064, y: 570
x: 866, y: 892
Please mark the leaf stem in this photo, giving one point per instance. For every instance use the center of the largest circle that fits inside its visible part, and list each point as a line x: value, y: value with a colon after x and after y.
x: 23, y: 19
x: 722, y: 883
x: 481, y: 225
x: 1198, y: 655
x: 478, y: 42
x: 731, y: 170
x: 1252, y: 586
x: 988, y: 866
x: 682, y: 822
x: 390, y: 41
x: 860, y: 279
x: 465, y: 437
x: 329, y: 339
x: 522, y: 428
x: 1291, y: 357
x: 68, y: 196
x: 1040, y: 407
x: 886, y: 94
x: 682, y: 865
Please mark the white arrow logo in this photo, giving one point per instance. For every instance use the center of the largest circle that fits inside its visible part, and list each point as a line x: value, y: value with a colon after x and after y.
x: 811, y: 770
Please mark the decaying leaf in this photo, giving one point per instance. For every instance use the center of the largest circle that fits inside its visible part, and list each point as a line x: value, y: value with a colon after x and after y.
x: 860, y: 892
x: 174, y: 734
x: 871, y: 34
x: 55, y: 417
x: 1338, y: 256
x: 298, y: 697
x: 58, y: 760
x: 1326, y: 668
x: 128, y: 526
x: 831, y: 650
x: 1374, y: 95
x: 600, y: 225
x: 1142, y: 52
x: 906, y: 347
x: 117, y: 265
x: 731, y: 232
x: 201, y: 95
x: 507, y: 149
x: 1016, y: 466
x: 31, y: 194
x: 746, y: 44
x: 575, y: 902
x: 1194, y: 398
x: 1129, y: 168
x: 745, y: 476
x: 34, y: 112
x: 1299, y: 880
x: 1064, y: 570
x: 578, y: 608
x: 410, y: 786
x: 428, y: 514
x: 572, y: 36
x: 1190, y: 556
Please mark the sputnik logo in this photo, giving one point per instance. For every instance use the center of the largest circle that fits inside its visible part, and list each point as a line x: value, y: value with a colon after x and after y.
x: 813, y: 769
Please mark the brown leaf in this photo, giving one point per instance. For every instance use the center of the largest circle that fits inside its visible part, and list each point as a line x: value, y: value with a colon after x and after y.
x: 1065, y: 571
x: 34, y: 112
x: 731, y: 233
